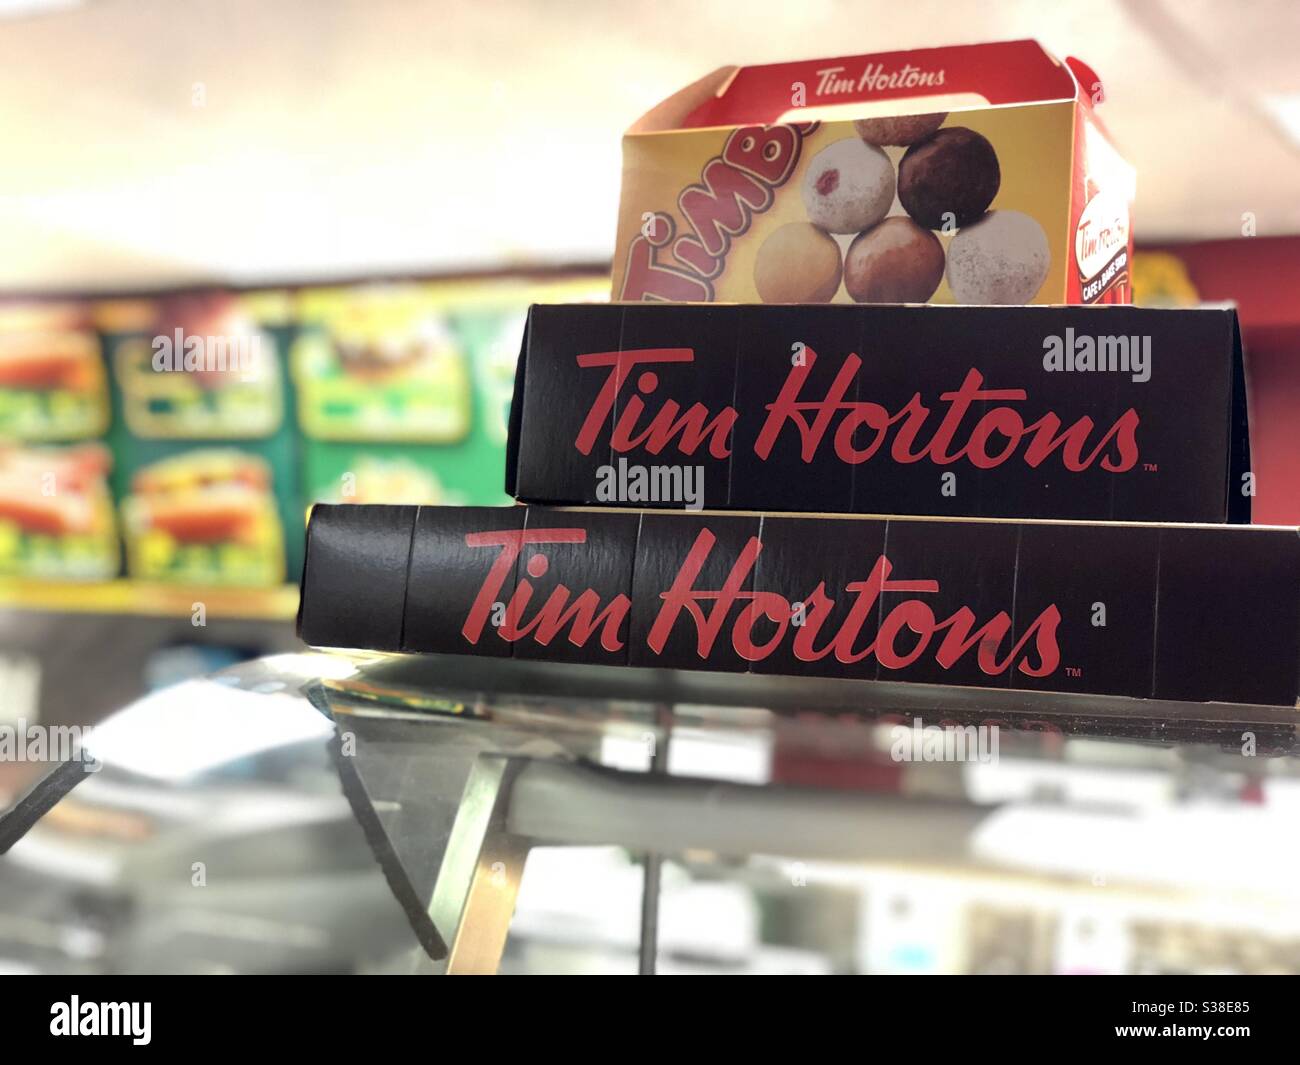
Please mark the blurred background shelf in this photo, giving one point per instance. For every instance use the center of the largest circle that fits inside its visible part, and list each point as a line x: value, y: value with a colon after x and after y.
x: 128, y: 597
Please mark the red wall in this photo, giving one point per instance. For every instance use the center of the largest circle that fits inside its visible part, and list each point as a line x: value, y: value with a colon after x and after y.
x: 1262, y: 274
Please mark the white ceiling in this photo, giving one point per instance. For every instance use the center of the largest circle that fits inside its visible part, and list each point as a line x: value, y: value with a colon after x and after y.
x: 341, y: 137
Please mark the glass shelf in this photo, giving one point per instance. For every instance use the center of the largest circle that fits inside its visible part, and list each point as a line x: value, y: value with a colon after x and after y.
x: 1070, y: 834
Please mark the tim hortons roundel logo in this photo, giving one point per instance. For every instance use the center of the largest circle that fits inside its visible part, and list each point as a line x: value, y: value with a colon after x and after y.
x: 1101, y: 244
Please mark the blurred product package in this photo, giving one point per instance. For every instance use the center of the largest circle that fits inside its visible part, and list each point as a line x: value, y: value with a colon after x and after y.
x: 56, y: 511
x: 52, y: 381
x: 206, y: 475
x: 384, y: 388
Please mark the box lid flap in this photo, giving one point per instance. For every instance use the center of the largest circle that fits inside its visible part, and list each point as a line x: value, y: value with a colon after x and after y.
x: 1008, y: 72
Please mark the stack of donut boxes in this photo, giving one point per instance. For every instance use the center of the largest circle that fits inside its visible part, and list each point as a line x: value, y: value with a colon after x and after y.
x: 781, y: 232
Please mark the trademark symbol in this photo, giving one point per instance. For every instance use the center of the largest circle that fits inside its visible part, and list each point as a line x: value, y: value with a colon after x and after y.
x: 1074, y: 671
x: 1150, y: 467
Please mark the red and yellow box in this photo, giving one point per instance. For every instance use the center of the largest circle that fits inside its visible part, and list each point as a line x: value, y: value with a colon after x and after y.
x: 974, y: 174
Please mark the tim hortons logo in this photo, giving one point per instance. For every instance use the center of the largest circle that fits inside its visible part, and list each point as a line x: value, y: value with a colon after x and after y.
x: 1101, y: 245
x: 757, y: 622
x: 915, y: 432
x: 876, y: 78
x: 733, y: 187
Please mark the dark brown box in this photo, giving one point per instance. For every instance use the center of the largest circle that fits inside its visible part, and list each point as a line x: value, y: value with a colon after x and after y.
x: 1185, y: 613
x: 954, y: 411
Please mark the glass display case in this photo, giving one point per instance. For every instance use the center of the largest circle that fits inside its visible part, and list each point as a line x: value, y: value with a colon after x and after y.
x: 320, y: 812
